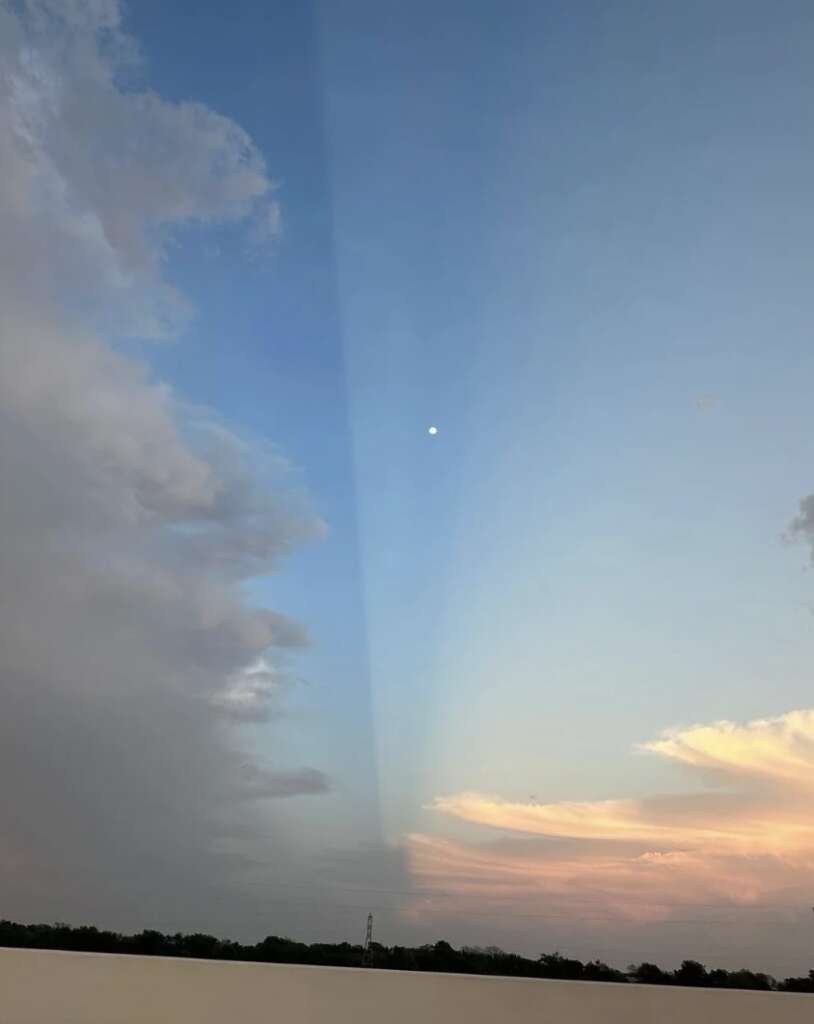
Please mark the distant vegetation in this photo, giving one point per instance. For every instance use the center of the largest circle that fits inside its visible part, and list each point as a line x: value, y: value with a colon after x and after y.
x: 438, y: 956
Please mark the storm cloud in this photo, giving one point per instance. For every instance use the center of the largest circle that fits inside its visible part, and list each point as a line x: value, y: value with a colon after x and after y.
x: 129, y: 519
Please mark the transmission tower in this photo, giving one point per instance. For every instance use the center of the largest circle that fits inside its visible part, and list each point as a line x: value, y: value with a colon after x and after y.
x: 367, y: 952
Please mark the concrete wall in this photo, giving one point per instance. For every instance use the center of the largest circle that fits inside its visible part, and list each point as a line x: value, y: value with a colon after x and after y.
x: 42, y: 987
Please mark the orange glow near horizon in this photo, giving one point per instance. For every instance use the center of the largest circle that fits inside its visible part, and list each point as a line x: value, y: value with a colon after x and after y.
x: 745, y: 840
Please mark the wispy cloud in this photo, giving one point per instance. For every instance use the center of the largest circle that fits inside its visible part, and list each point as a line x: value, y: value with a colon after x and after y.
x: 776, y: 752
x: 749, y: 834
x: 259, y: 783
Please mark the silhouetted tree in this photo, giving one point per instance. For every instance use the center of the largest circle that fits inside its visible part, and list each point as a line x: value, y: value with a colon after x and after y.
x: 438, y: 956
x: 649, y: 974
x: 554, y: 965
x: 691, y: 973
x: 798, y: 984
x: 595, y: 970
x: 151, y: 943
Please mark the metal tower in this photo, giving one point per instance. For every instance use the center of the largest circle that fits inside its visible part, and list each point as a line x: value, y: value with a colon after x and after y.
x: 367, y: 952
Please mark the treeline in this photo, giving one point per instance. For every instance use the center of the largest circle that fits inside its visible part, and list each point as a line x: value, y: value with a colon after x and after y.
x: 438, y: 956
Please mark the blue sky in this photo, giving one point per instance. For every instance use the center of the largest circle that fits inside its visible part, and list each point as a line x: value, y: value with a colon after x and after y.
x: 550, y: 231
x: 576, y: 238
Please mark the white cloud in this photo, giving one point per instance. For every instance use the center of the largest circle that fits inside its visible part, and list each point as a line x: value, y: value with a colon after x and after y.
x: 248, y: 693
x: 777, y: 751
x: 128, y: 519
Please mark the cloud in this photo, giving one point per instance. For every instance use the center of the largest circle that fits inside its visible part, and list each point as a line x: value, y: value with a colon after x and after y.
x: 248, y: 693
x: 129, y: 519
x: 721, y: 824
x: 729, y: 865
x: 748, y: 839
x: 97, y: 168
x: 777, y: 751
x: 263, y: 784
x: 802, y: 526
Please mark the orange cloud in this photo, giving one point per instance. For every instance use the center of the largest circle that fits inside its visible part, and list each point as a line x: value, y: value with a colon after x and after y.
x: 753, y: 835
x: 776, y: 751
x: 518, y: 876
x: 751, y: 831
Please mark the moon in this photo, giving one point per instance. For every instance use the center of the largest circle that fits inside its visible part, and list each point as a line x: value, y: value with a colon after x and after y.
x: 433, y: 431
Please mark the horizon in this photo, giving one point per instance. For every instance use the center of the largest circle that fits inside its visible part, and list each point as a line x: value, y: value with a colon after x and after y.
x: 394, y: 958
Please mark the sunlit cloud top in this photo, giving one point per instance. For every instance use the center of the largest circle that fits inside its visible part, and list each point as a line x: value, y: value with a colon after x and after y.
x: 746, y: 818
x: 779, y: 751
x: 743, y: 839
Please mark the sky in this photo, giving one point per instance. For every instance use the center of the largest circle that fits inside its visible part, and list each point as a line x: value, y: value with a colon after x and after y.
x: 273, y: 655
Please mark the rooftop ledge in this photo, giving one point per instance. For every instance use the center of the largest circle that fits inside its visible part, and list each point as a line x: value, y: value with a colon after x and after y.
x: 55, y: 987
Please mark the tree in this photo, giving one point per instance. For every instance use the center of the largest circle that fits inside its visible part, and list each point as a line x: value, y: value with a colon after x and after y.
x: 200, y: 946
x: 648, y: 974
x: 438, y: 956
x: 691, y: 973
x: 554, y: 965
x: 596, y: 970
x: 798, y: 984
x: 149, y: 943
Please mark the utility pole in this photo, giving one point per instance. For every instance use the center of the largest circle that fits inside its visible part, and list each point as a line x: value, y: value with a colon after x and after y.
x: 367, y: 952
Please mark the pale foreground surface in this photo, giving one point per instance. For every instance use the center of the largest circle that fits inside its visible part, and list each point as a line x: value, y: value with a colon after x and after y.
x: 43, y: 987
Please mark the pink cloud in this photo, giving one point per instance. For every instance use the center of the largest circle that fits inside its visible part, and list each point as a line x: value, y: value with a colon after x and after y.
x: 749, y: 840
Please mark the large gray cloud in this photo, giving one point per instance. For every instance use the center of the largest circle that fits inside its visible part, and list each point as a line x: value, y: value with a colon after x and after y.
x: 128, y: 519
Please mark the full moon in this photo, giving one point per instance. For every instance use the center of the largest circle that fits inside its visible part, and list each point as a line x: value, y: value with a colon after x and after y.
x: 433, y: 430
